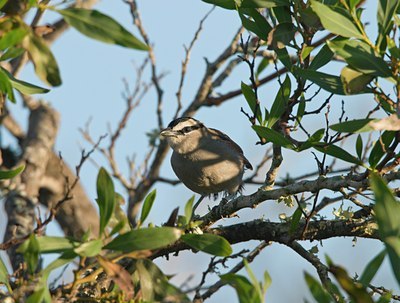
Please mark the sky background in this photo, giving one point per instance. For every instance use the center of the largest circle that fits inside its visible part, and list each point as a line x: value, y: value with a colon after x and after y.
x: 93, y: 74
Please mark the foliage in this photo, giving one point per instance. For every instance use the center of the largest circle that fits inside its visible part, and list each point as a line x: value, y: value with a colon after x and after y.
x: 300, y: 39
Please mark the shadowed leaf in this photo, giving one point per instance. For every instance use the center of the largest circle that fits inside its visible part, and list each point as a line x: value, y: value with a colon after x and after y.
x: 209, y: 243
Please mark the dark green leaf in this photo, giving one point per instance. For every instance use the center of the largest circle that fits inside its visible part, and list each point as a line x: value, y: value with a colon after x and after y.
x: 337, y: 152
x: 105, y: 197
x: 189, y: 209
x: 356, y: 291
x: 12, y: 37
x: 253, y: 279
x: 379, y: 148
x: 335, y: 22
x: 244, y: 289
x: 359, y: 146
x: 45, y: 64
x: 8, y: 174
x: 281, y: 35
x: 50, y: 244
x: 5, y: 86
x: 300, y: 110
x: 145, y: 239
x: 147, y: 205
x: 360, y: 56
x: 282, y: 14
x: 284, y: 57
x: 332, y: 84
x: 353, y: 126
x: 294, y: 222
x: 161, y: 287
x: 372, y: 268
x: 273, y: 136
x: 250, y: 97
x: 232, y: 4
x: 4, y: 279
x: 209, y: 243
x: 280, y: 103
x: 89, y: 249
x: 387, y: 211
x: 259, y: 25
x: 25, y: 87
x: 323, y: 57
x: 98, y: 26
x: 263, y: 64
x: 12, y: 53
x: 316, y: 289
x: 315, y: 138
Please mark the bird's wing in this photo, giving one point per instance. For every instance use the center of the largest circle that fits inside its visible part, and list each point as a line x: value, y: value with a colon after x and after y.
x: 227, y: 139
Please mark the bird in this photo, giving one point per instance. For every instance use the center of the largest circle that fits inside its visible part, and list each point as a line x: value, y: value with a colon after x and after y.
x: 206, y: 160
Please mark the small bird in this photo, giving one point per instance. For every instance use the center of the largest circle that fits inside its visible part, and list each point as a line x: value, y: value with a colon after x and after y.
x: 205, y: 159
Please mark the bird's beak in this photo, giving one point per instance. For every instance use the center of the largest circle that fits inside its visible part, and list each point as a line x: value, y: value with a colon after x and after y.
x: 167, y: 132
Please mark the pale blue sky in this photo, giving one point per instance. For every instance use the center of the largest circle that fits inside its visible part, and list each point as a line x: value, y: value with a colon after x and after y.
x: 92, y: 74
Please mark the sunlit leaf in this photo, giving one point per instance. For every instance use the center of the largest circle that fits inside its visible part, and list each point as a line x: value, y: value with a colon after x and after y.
x: 335, y: 22
x: 8, y: 174
x: 189, y: 209
x: 4, y: 279
x: 12, y: 37
x: 259, y: 25
x: 145, y: 239
x: 25, y: 87
x: 244, y: 289
x: 232, y: 4
x: 89, y: 249
x: 354, y: 81
x: 353, y: 126
x: 295, y: 220
x: 5, y: 86
x: 209, y: 243
x: 46, y: 67
x: 273, y: 136
x: 147, y: 205
x: 96, y: 25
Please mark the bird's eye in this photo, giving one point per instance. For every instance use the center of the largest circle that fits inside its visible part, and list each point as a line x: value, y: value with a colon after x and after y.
x: 187, y: 129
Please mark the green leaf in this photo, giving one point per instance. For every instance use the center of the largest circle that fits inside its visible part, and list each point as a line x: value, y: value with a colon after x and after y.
x: 387, y: 211
x: 316, y: 289
x: 356, y: 291
x: 332, y: 84
x: 209, y: 243
x: 105, y: 197
x: 323, y: 57
x: 65, y: 258
x: 273, y: 136
x: 4, y: 279
x: 284, y: 57
x: 259, y: 26
x: 243, y: 288
x: 335, y: 22
x: 12, y: 37
x: 89, y: 249
x: 281, y: 100
x: 146, y: 282
x: 12, y: 53
x: 46, y: 67
x: 300, y: 111
x: 262, y: 66
x: 386, y: 11
x: 250, y: 97
x: 378, y: 151
x: 353, y: 126
x: 50, y: 244
x: 101, y: 27
x: 359, y: 146
x: 267, y: 282
x: 315, y: 138
x: 372, y: 268
x: 41, y: 294
x: 281, y: 35
x: 354, y: 81
x: 232, y: 4
x: 294, y: 222
x: 25, y: 87
x: 145, y: 239
x: 31, y: 254
x: 147, y: 205
x: 337, y: 152
x: 8, y: 174
x: 189, y: 209
x: 360, y: 56
x: 5, y: 86
x: 253, y: 279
